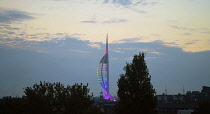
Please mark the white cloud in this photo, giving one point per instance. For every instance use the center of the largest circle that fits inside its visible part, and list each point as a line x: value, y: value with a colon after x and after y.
x: 158, y: 53
x: 95, y: 45
x: 126, y: 48
x: 146, y: 58
x: 115, y: 21
x: 118, y: 51
x: 80, y: 51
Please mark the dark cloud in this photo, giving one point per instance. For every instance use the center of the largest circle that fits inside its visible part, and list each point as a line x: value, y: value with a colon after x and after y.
x: 122, y: 2
x: 207, y: 32
x: 200, y: 30
x: 130, y: 40
x: 11, y: 33
x: 11, y: 15
x: 189, y: 43
x: 108, y: 21
x: 187, y: 34
x: 115, y: 21
x: 60, y: 34
x: 148, y: 3
x: 129, y: 3
x: 105, y: 1
x: 4, y: 25
x: 88, y: 21
x: 181, y: 28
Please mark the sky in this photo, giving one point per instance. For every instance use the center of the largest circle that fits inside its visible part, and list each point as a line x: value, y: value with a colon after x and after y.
x: 64, y: 40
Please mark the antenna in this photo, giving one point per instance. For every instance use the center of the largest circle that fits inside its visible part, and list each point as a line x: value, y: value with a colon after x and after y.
x: 165, y: 90
x: 183, y: 90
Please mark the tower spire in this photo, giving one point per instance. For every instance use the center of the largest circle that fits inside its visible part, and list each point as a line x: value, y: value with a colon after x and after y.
x: 107, y: 43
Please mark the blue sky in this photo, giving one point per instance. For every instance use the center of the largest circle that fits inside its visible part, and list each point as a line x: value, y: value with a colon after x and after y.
x: 63, y: 40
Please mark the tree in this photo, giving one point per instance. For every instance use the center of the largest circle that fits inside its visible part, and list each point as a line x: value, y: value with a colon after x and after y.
x: 12, y: 105
x: 56, y: 98
x: 136, y: 93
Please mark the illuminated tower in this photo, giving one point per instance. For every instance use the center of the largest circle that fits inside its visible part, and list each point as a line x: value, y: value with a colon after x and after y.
x: 103, y: 73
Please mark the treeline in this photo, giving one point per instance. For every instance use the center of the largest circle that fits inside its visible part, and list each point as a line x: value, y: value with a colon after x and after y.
x: 49, y: 98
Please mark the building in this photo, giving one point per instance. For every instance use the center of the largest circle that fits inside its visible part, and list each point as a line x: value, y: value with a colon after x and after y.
x: 179, y: 98
x: 182, y: 103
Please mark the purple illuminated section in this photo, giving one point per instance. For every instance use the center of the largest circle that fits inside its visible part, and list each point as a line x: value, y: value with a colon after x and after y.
x: 103, y: 73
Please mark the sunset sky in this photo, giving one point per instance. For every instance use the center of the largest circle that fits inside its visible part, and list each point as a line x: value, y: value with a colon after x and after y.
x: 63, y: 40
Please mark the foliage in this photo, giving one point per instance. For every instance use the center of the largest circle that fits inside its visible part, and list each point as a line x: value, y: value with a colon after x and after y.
x: 53, y: 98
x: 136, y: 93
x: 12, y: 105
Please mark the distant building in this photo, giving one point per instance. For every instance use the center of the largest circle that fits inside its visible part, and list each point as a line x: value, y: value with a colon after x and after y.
x: 171, y: 98
x: 206, y: 89
x: 182, y: 103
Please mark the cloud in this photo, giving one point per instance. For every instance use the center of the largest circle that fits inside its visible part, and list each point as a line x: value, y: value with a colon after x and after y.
x: 147, y: 3
x: 189, y: 43
x: 158, y: 53
x: 186, y: 34
x: 108, y: 21
x: 118, y: 51
x: 94, y: 45
x: 126, y: 48
x: 80, y: 51
x: 115, y: 21
x: 11, y: 15
x: 181, y: 28
x: 76, y: 35
x: 88, y: 21
x: 130, y: 3
x: 105, y: 1
x: 200, y: 30
x: 142, y: 12
x: 146, y: 58
x: 207, y: 32
x: 122, y: 2
x: 119, y: 2
x: 129, y: 40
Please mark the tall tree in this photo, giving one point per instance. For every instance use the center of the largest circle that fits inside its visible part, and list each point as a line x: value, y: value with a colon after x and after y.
x: 136, y: 93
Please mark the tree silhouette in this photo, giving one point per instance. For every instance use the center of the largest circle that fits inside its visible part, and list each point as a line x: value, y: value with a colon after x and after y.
x: 55, y: 98
x: 12, y: 105
x: 51, y: 98
x: 136, y: 93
